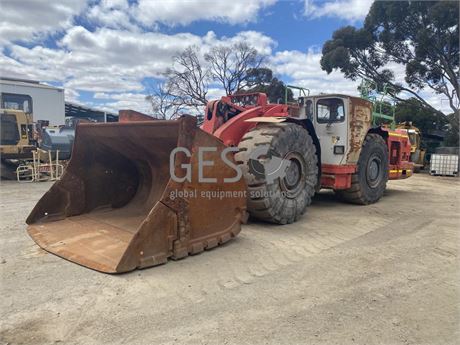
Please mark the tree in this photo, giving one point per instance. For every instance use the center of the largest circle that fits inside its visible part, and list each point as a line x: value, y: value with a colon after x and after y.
x: 421, y: 117
x: 229, y: 65
x: 258, y: 77
x: 187, y: 81
x: 165, y: 105
x: 420, y: 35
x: 452, y: 135
x: 429, y: 122
x: 262, y: 80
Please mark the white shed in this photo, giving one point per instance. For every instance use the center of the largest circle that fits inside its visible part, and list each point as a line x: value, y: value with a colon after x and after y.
x: 47, y: 101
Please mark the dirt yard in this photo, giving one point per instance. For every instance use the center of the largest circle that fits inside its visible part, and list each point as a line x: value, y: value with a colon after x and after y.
x: 381, y: 274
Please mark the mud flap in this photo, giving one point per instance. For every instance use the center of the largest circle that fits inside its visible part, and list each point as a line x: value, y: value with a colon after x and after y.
x: 116, y: 208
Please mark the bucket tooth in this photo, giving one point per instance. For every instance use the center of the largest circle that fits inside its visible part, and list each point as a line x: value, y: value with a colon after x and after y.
x: 116, y: 207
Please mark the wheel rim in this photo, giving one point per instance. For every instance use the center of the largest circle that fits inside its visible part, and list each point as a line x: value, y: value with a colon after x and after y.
x: 374, y: 171
x: 293, y: 182
x: 292, y: 177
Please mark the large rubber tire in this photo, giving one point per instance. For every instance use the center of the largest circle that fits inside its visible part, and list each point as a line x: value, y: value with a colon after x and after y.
x: 369, y: 182
x: 282, y: 199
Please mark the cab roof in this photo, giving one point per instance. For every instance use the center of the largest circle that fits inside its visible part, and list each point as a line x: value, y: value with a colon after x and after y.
x: 352, y: 98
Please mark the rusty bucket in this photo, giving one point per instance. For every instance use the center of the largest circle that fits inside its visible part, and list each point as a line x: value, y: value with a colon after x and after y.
x: 117, y: 208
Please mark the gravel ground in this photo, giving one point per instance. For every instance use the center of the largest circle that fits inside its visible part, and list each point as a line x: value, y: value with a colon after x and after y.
x: 381, y: 274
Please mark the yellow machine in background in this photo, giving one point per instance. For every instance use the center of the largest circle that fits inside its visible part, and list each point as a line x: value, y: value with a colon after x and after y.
x: 17, y: 141
x: 22, y: 158
x: 417, y: 155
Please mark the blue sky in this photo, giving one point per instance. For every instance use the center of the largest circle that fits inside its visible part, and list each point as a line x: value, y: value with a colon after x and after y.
x: 106, y: 53
x: 284, y: 22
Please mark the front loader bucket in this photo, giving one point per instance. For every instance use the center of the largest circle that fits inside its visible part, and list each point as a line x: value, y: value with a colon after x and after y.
x: 117, y: 207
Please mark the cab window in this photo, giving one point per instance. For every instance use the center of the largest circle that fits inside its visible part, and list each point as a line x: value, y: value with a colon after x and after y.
x: 17, y: 102
x: 330, y: 110
x: 412, y: 137
x: 9, y: 134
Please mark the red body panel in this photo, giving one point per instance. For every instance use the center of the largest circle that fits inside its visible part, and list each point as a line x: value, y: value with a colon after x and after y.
x: 399, y: 154
x: 232, y: 130
x: 337, y: 176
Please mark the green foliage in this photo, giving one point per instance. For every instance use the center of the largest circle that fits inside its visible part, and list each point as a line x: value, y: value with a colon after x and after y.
x: 262, y: 80
x: 258, y: 76
x: 342, y: 51
x: 420, y: 35
x: 421, y: 117
x: 428, y: 121
x: 384, y: 108
x: 453, y: 134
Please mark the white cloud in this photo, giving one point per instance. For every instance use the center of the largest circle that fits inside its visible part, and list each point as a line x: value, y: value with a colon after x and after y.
x: 32, y: 19
x: 184, y: 12
x: 28, y: 20
x: 113, y: 14
x: 119, y: 101
x: 100, y: 83
x: 114, y: 58
x: 110, y: 60
x: 150, y: 13
x: 215, y: 93
x: 120, y: 51
x: 101, y: 95
x: 304, y: 70
x: 351, y: 10
x: 71, y: 95
x: 262, y: 43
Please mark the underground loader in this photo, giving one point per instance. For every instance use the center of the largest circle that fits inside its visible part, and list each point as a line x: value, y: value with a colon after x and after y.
x: 330, y: 141
x: 117, y: 207
x: 120, y: 204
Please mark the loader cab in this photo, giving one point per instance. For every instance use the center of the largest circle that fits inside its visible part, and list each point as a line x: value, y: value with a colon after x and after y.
x: 329, y: 115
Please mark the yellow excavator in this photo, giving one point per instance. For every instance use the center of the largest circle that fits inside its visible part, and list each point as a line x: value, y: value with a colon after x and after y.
x: 417, y: 153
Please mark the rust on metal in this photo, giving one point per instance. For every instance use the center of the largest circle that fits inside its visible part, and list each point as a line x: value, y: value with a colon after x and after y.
x: 359, y: 124
x: 116, y: 207
x: 128, y: 115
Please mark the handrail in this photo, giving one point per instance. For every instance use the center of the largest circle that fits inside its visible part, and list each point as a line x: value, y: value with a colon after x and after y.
x: 366, y: 89
x: 304, y: 90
